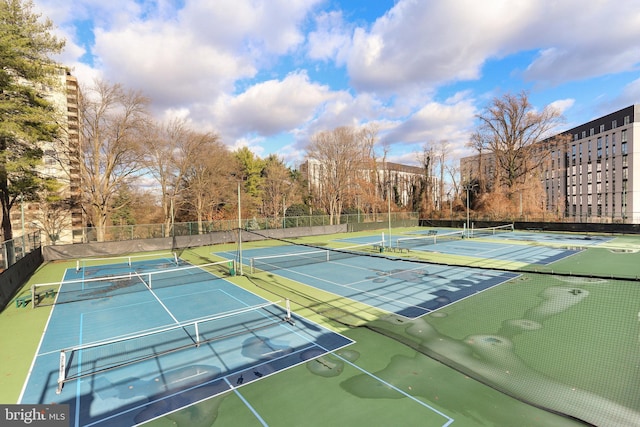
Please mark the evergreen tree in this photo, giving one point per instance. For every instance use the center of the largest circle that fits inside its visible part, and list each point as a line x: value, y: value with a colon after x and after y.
x: 26, y: 117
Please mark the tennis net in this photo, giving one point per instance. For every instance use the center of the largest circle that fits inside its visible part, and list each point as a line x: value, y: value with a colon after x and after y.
x: 96, y: 267
x: 102, y: 287
x: 490, y: 231
x: 318, y: 255
x: 101, y: 356
x: 429, y: 239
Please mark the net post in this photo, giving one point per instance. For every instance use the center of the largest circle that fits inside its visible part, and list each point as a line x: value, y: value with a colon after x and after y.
x: 77, y: 266
x: 175, y: 258
x: 61, y: 371
x: 252, y: 266
x: 197, y: 334
x: 33, y: 297
x: 129, y: 261
x: 149, y: 281
x: 288, y: 319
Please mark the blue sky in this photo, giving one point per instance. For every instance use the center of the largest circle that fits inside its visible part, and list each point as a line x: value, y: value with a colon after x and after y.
x: 268, y: 74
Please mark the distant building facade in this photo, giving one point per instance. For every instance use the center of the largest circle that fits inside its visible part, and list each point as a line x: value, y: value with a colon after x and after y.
x: 61, y: 161
x: 404, y: 179
x: 590, y: 177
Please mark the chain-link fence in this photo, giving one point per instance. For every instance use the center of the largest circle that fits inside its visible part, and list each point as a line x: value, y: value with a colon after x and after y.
x: 12, y: 251
x: 150, y: 231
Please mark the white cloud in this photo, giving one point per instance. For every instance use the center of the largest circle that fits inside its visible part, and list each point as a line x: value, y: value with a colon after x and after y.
x: 562, y: 105
x: 271, y: 107
x: 331, y: 38
x: 168, y: 63
x: 433, y: 43
x: 631, y: 93
x: 243, y: 67
x: 272, y: 26
x: 435, y: 122
x: 578, y: 42
x: 430, y: 43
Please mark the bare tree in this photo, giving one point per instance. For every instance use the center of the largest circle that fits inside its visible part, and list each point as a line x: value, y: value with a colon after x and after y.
x: 52, y: 217
x: 206, y: 176
x: 453, y: 172
x: 426, y: 193
x: 343, y: 153
x: 511, y: 130
x: 442, y: 148
x: 113, y: 120
x: 171, y: 150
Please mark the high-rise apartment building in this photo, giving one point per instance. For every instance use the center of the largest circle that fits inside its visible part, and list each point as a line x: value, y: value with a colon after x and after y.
x: 590, y: 176
x: 61, y: 161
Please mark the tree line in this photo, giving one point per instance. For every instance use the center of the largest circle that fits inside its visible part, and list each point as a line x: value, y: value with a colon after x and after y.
x: 135, y: 169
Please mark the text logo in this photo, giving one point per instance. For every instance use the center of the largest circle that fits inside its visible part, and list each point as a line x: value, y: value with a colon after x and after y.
x: 34, y: 415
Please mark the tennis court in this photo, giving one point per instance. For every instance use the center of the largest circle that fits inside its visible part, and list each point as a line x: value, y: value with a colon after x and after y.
x: 500, y: 244
x: 136, y: 349
x: 402, y: 287
x: 524, y: 347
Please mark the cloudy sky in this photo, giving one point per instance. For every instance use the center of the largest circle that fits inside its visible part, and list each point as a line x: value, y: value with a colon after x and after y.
x: 267, y: 74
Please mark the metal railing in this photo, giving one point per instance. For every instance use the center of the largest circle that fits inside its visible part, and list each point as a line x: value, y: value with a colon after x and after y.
x: 149, y: 231
x: 12, y: 251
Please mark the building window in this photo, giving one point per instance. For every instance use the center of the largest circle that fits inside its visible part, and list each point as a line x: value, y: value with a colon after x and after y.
x: 623, y: 136
x: 613, y: 144
x: 626, y: 120
x: 584, y: 134
x: 591, y: 132
x: 614, y: 124
x: 601, y: 128
x: 623, y: 148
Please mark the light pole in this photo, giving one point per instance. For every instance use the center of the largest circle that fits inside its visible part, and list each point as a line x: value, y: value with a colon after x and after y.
x: 284, y: 211
x: 468, y: 187
x: 389, y: 208
x: 239, y: 233
x: 22, y: 213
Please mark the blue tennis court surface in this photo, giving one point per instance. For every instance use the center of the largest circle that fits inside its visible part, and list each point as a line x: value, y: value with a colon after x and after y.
x: 501, y: 251
x: 241, y: 337
x: 406, y: 288
x: 499, y: 246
